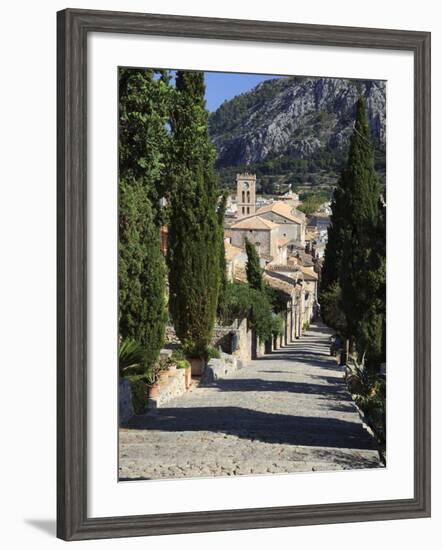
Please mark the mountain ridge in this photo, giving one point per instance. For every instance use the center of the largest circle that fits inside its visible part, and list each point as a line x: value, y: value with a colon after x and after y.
x: 296, y: 120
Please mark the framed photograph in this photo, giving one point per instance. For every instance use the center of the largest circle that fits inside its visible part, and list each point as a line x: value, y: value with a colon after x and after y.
x: 243, y: 274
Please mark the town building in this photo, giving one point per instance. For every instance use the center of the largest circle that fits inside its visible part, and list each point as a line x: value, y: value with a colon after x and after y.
x: 246, y: 194
x: 264, y: 234
x: 290, y: 225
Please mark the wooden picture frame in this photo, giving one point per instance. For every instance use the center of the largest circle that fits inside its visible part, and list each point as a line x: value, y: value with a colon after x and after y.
x: 73, y: 28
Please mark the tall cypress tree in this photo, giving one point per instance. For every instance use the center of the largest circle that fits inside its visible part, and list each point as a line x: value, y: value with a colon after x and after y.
x: 253, y: 267
x: 330, y: 294
x: 222, y: 256
x: 142, y: 272
x: 362, y: 263
x: 145, y: 102
x: 193, y: 249
x: 143, y: 148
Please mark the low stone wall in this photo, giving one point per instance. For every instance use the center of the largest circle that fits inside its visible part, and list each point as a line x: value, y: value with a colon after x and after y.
x: 125, y: 407
x: 224, y: 337
x: 174, y: 386
x: 220, y: 368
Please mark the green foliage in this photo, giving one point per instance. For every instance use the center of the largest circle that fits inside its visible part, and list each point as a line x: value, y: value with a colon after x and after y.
x: 332, y: 309
x: 194, y: 232
x: 177, y: 355
x: 236, y: 303
x: 182, y: 364
x: 244, y: 302
x: 363, y: 258
x: 369, y: 390
x: 212, y: 353
x: 261, y: 318
x: 253, y: 268
x: 142, y: 273
x: 131, y: 357
x: 143, y: 150
x: 222, y: 256
x: 144, y: 104
x: 320, y: 168
x: 355, y: 253
x: 139, y: 386
x: 312, y: 201
x: 277, y: 298
x: 233, y: 113
x: 278, y: 325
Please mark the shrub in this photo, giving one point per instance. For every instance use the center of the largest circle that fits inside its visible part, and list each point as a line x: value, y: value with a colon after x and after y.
x: 212, y: 353
x: 369, y: 391
x: 277, y: 325
x: 244, y: 302
x: 236, y: 303
x: 139, y: 386
x: 177, y: 355
x: 182, y: 364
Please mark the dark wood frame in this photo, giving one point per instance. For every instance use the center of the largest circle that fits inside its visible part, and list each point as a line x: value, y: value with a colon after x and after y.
x: 73, y: 28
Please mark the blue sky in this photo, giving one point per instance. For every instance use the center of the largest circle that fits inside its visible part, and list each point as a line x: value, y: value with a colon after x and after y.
x: 222, y: 86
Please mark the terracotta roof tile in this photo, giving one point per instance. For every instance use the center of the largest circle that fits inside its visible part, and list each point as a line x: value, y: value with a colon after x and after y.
x: 282, y: 209
x: 254, y: 222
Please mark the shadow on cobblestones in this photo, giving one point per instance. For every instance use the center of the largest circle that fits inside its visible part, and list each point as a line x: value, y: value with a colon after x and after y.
x: 258, y: 425
x: 259, y: 384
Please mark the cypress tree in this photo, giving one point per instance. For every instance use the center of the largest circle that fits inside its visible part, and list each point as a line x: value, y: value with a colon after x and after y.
x: 193, y: 248
x: 330, y: 293
x: 144, y: 104
x: 362, y: 263
x: 142, y: 274
x: 330, y: 272
x: 143, y: 148
x: 253, y: 268
x: 222, y: 256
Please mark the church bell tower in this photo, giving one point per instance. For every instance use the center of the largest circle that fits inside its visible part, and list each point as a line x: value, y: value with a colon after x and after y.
x: 246, y: 194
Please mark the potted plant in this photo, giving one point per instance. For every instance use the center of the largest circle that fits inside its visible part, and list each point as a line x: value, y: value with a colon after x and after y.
x: 197, y: 358
x: 152, y: 381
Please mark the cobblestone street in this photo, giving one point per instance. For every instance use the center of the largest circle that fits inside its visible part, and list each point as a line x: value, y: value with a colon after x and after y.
x: 287, y: 412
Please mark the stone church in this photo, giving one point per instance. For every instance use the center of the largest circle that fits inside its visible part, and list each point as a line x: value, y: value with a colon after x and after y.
x: 246, y: 194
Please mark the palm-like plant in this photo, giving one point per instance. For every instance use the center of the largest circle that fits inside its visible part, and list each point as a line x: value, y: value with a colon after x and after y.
x: 131, y: 357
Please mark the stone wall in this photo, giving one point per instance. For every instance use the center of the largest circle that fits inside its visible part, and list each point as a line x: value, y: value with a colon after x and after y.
x: 220, y: 368
x: 174, y: 386
x: 235, y: 339
x: 255, y: 236
x: 243, y: 341
x: 286, y: 228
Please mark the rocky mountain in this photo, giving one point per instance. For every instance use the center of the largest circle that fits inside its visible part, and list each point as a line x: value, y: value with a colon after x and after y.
x: 291, y: 121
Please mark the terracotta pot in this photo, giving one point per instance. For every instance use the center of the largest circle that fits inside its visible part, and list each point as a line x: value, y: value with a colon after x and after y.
x: 154, y: 391
x: 197, y: 364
